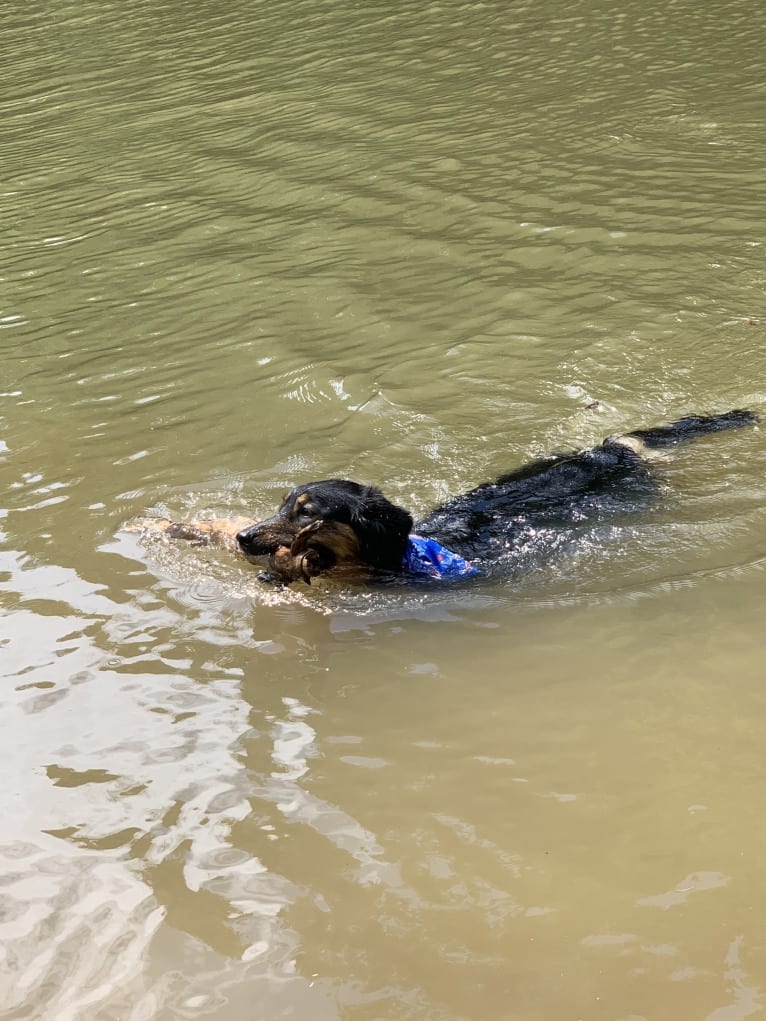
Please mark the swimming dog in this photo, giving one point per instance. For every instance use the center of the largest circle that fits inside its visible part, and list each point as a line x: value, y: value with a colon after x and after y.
x: 336, y: 523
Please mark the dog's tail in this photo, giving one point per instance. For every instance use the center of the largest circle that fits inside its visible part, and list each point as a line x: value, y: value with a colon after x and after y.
x: 689, y: 428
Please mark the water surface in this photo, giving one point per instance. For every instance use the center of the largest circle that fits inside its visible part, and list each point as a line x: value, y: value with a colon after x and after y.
x: 411, y: 245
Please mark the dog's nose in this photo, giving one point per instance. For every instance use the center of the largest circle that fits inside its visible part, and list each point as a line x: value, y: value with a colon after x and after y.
x: 243, y: 538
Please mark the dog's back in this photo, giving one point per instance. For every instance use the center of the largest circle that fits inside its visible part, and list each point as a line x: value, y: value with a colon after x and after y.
x: 565, y: 491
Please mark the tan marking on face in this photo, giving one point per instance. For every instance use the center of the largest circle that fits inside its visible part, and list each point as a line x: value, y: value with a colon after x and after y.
x: 332, y: 535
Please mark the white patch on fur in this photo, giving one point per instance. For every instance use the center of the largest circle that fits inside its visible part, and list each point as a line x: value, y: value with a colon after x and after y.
x: 639, y: 447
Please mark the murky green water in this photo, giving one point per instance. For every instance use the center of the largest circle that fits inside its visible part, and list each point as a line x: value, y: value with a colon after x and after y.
x: 245, y: 246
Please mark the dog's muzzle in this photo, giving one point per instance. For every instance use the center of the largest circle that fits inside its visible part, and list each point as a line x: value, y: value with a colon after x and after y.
x: 254, y: 543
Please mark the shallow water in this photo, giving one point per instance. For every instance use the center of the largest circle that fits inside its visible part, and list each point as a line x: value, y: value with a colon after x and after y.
x: 245, y: 248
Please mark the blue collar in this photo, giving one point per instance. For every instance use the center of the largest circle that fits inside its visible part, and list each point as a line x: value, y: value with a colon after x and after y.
x: 427, y: 557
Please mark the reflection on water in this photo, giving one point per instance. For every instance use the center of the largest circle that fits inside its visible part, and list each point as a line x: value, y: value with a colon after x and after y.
x: 415, y: 247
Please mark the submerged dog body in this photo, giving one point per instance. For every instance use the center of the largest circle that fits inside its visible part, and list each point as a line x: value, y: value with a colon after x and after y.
x: 336, y: 523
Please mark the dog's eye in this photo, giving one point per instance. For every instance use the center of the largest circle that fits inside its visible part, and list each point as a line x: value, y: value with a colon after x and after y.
x: 307, y: 510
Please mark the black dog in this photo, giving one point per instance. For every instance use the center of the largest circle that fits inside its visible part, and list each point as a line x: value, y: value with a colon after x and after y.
x: 337, y: 523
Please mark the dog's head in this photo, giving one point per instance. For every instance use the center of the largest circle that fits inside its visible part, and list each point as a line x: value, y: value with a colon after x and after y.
x: 334, y: 523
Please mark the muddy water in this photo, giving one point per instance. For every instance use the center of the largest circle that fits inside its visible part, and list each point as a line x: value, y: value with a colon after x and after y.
x: 411, y: 245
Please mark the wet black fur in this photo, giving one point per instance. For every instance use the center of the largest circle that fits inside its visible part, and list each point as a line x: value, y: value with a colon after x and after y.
x: 555, y: 493
x: 380, y: 526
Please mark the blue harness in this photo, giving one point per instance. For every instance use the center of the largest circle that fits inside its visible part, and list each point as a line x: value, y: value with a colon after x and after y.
x: 428, y: 557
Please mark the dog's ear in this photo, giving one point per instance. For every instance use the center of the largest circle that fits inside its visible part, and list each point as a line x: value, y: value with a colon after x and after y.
x: 382, y: 529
